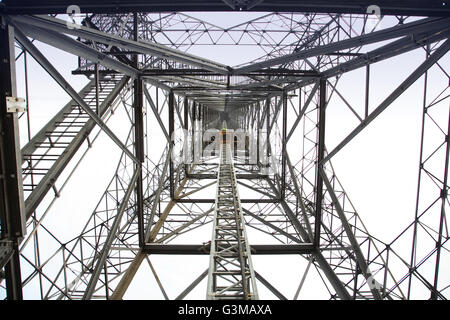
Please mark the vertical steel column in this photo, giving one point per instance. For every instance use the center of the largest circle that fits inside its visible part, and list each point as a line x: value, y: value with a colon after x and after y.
x: 203, y: 119
x: 366, y: 106
x: 139, y: 138
x: 258, y: 132
x: 186, y: 132
x: 97, y: 88
x: 320, y: 157
x: 172, y: 141
x: 267, y: 164
x: 12, y: 211
x: 193, y: 135
x: 283, y: 141
x: 140, y: 154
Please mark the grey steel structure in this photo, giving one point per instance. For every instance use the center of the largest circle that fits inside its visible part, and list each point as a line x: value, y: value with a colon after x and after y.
x: 138, y: 58
x: 231, y: 274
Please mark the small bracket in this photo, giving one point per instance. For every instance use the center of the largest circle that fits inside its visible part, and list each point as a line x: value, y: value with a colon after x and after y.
x: 14, y: 104
x: 57, y: 194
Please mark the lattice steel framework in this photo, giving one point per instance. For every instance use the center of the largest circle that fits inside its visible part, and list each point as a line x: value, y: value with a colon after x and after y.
x: 144, y: 62
x: 231, y: 274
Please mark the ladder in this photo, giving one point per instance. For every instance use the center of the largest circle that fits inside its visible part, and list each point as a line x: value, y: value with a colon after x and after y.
x: 46, y: 155
x: 231, y: 275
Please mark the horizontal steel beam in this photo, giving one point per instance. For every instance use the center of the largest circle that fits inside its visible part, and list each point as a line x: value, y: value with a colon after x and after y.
x: 238, y: 176
x: 194, y: 249
x: 204, y: 72
x: 242, y: 200
x: 404, y: 7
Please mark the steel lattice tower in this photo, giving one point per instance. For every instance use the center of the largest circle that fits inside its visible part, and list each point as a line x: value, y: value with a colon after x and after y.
x: 178, y: 190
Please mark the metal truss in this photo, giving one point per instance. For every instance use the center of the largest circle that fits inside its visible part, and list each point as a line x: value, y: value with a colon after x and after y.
x: 231, y: 274
x: 144, y: 65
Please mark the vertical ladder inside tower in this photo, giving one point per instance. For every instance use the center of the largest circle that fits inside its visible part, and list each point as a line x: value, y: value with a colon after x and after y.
x: 231, y: 274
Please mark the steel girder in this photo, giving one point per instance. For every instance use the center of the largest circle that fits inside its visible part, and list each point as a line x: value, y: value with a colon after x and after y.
x: 411, y: 7
x: 12, y: 211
